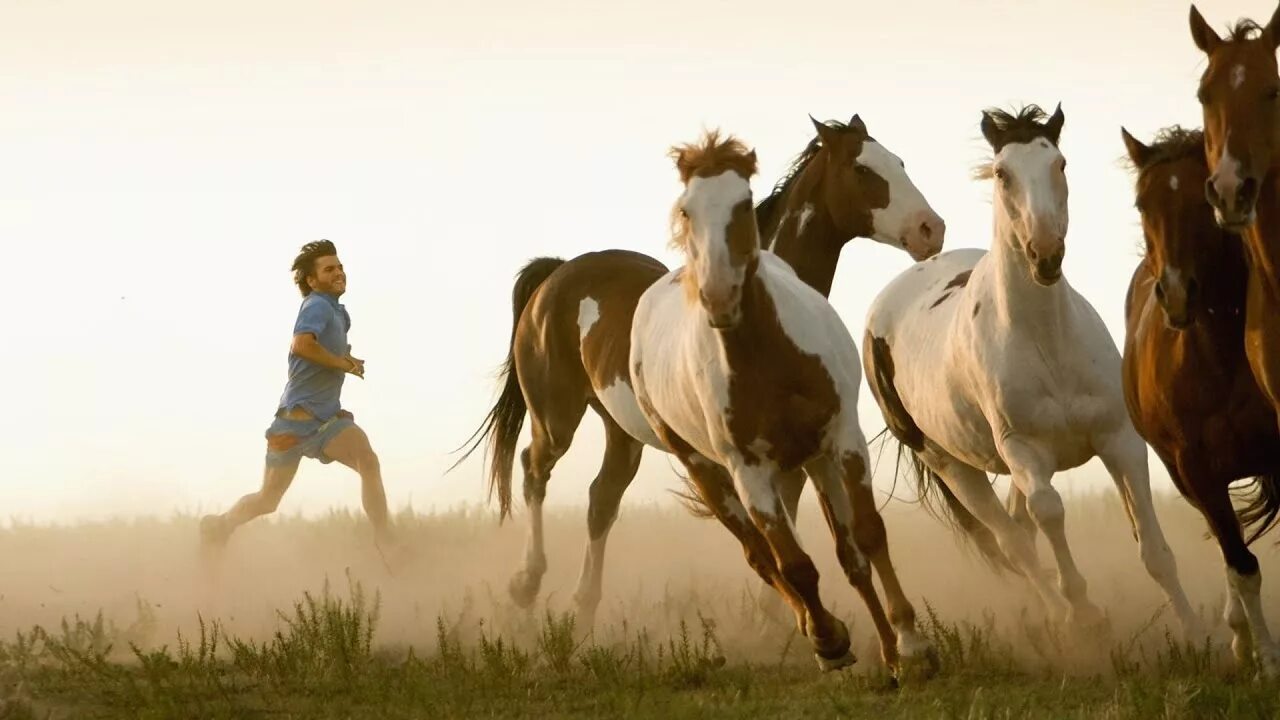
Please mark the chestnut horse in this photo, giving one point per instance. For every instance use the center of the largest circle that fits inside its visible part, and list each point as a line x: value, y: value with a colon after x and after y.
x: 1239, y: 92
x: 747, y: 374
x: 1186, y: 378
x: 571, y: 334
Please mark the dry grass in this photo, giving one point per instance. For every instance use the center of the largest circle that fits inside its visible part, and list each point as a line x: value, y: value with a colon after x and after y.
x: 93, y: 615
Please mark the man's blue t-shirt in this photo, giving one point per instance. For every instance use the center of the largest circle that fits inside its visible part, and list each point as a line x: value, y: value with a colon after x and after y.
x: 313, y: 387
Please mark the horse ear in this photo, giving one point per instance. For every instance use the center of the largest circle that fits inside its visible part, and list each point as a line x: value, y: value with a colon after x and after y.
x: 1053, y: 128
x: 1204, y: 36
x: 751, y: 159
x: 825, y: 132
x: 991, y: 132
x: 1272, y: 30
x: 856, y: 124
x: 1138, y: 152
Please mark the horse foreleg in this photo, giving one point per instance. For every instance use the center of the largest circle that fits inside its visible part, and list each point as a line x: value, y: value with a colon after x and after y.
x: 1032, y: 477
x: 844, y: 488
x: 1125, y: 457
x: 1243, y: 611
x: 790, y: 487
x: 829, y: 636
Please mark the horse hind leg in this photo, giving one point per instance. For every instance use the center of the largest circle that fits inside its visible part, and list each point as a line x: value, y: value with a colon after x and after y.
x: 552, y: 432
x: 621, y: 461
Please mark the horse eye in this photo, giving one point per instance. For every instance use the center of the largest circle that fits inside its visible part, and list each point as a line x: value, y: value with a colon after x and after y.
x: 1001, y: 175
x: 1273, y: 94
x: 861, y: 169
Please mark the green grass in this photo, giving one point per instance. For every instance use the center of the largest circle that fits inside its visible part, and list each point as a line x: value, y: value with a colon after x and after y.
x: 326, y: 660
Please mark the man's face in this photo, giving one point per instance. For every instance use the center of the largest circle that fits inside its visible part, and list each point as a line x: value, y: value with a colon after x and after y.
x: 329, y: 277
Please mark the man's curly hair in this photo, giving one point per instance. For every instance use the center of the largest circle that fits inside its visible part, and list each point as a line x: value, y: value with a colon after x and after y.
x: 305, y: 264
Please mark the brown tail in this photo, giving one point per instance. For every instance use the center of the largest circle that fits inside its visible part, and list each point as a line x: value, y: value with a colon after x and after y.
x: 691, y: 498
x: 501, y: 427
x: 1261, y: 511
x: 904, y: 429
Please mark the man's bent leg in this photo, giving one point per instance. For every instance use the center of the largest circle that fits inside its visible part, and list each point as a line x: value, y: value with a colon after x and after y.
x: 276, y: 479
x: 351, y: 448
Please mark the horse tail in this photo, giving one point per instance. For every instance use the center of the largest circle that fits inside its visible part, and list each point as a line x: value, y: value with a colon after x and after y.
x: 911, y: 441
x: 1261, y: 510
x: 501, y: 427
x: 691, y: 498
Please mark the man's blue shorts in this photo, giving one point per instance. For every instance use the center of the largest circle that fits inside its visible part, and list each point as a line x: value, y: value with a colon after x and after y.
x: 289, y: 440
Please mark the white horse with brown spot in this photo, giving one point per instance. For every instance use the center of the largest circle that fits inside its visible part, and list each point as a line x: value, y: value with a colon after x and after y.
x: 989, y: 361
x: 746, y: 374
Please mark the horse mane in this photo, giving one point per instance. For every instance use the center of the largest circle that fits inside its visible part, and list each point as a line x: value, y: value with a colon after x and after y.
x: 1020, y: 126
x: 712, y: 156
x: 768, y: 207
x: 1171, y: 144
x: 1244, y: 29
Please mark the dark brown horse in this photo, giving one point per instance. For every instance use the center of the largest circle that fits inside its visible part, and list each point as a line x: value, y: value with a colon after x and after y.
x: 571, y: 334
x: 1186, y: 378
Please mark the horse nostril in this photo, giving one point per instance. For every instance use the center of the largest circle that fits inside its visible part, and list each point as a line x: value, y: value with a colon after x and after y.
x: 1193, y: 287
x: 1031, y: 253
x: 1211, y: 193
x: 1160, y: 291
x: 926, y: 231
x: 1248, y: 191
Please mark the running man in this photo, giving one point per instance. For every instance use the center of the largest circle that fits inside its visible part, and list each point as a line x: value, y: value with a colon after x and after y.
x: 309, y: 420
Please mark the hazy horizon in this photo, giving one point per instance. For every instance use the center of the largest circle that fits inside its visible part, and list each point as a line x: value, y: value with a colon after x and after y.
x: 162, y: 164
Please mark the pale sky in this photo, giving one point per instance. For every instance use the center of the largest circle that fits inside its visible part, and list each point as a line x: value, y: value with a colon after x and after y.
x: 161, y: 163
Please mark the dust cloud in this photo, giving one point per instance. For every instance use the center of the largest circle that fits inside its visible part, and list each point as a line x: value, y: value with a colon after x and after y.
x: 663, y: 566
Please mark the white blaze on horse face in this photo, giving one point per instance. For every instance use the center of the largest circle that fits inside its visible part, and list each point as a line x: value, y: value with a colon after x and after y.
x: 907, y: 221
x: 1035, y: 202
x: 1237, y: 77
x: 709, y: 203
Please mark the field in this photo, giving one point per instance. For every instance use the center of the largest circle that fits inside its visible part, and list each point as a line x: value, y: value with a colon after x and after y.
x: 303, y: 619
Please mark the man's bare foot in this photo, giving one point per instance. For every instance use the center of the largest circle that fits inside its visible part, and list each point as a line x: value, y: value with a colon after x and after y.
x: 214, y: 532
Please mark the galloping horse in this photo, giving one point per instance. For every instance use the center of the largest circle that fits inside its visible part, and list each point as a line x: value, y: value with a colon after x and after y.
x: 1186, y: 379
x: 989, y: 361
x: 746, y: 374
x: 571, y: 333
x: 1240, y: 96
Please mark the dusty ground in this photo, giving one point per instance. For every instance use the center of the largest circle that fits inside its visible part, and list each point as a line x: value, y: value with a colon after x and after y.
x: 662, y: 566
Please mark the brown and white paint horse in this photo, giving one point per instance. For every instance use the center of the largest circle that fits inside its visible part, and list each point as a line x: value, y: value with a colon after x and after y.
x: 571, y: 333
x: 746, y: 374
x: 1240, y: 96
x: 989, y: 361
x: 1186, y: 378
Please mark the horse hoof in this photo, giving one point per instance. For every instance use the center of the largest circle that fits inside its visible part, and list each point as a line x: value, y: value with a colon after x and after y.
x: 1091, y: 623
x: 922, y: 665
x: 1268, y: 660
x: 523, y: 589
x: 829, y: 664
